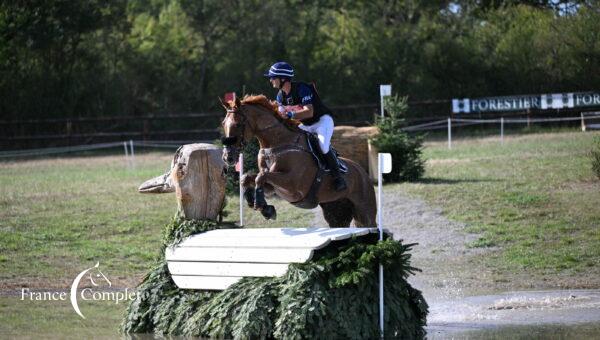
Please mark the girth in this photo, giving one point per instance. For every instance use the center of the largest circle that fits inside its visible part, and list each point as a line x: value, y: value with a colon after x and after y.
x: 270, y: 154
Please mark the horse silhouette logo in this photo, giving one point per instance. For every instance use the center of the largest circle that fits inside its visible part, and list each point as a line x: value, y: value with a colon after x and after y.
x: 95, y: 276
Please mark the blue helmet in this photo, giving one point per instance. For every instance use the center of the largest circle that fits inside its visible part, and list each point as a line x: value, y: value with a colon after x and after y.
x: 280, y: 69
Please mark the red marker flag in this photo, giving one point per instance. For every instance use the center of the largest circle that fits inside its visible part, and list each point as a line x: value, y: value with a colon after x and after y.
x: 229, y: 97
x: 237, y: 166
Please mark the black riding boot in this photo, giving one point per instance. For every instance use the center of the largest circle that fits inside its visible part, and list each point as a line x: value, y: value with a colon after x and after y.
x: 338, y: 181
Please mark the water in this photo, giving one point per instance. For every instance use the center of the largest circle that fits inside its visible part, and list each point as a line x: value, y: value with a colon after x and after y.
x: 558, y: 314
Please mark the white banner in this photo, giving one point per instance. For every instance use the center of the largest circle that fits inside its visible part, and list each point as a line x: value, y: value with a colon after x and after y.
x: 553, y: 101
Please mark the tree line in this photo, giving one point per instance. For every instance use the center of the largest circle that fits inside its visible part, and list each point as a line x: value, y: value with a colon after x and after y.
x: 61, y: 58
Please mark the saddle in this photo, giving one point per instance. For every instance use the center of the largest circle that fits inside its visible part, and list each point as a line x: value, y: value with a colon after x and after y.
x: 315, y: 150
x: 310, y: 201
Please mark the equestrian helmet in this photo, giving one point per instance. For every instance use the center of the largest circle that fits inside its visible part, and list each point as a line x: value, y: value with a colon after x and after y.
x: 280, y: 69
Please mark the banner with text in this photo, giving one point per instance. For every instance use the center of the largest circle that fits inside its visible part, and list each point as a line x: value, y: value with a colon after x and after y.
x: 527, y: 102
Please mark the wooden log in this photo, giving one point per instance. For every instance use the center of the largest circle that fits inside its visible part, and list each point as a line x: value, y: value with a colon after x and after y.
x: 197, y: 177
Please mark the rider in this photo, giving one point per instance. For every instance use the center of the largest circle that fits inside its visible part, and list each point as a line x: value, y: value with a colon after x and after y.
x: 300, y: 101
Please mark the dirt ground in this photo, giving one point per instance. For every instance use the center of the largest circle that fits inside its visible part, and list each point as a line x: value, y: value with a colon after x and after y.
x: 449, y: 267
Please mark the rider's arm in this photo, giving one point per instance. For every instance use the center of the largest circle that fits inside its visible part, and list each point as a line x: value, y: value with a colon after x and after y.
x: 304, y: 113
x: 306, y: 97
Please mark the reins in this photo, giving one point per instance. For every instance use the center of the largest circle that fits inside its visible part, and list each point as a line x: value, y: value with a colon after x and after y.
x: 228, y: 141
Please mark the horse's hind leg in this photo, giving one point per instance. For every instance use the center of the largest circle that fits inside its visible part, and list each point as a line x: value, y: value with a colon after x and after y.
x: 365, y: 210
x: 338, y: 214
x: 363, y: 218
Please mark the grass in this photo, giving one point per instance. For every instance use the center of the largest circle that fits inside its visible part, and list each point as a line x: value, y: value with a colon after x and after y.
x: 60, y: 216
x: 533, y: 199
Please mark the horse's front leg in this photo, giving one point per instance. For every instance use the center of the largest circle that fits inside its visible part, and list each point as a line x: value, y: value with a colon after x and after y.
x: 248, y: 185
x: 260, y: 203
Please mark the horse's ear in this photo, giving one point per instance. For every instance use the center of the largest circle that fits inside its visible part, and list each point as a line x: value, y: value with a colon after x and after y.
x: 225, y: 106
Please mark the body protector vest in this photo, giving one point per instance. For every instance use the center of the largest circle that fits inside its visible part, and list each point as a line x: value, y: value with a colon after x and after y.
x: 304, y: 94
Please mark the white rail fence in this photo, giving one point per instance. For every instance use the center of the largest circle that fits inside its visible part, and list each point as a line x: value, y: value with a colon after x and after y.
x: 128, y: 149
x: 589, y: 121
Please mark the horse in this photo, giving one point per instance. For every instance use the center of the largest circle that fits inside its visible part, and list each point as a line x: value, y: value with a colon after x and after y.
x: 288, y: 168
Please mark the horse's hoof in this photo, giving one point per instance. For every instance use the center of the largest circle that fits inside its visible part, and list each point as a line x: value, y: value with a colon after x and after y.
x: 269, y: 212
x: 259, y: 199
x: 249, y: 196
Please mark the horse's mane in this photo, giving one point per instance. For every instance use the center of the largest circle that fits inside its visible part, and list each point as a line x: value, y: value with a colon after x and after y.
x: 262, y: 100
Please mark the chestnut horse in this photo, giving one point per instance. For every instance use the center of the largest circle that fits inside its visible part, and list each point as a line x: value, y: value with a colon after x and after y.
x: 287, y: 167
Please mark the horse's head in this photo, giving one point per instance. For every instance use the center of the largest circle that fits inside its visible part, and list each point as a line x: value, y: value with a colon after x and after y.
x: 236, y: 131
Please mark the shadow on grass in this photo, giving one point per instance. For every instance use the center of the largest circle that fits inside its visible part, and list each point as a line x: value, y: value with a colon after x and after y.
x: 434, y: 180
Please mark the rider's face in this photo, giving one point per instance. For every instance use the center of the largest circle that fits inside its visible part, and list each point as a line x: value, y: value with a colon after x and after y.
x: 275, y: 82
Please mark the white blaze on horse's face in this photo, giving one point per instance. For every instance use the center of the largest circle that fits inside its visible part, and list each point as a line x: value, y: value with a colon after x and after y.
x: 233, y: 130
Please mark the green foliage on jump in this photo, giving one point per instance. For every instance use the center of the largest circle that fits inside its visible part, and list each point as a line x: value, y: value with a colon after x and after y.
x: 333, y: 296
x: 595, y: 156
x: 407, y: 161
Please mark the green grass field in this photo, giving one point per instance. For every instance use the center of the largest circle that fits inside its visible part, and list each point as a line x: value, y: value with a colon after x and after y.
x: 60, y: 216
x: 534, y: 200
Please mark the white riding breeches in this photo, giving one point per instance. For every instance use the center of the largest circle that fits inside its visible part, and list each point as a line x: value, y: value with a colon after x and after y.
x: 324, y: 130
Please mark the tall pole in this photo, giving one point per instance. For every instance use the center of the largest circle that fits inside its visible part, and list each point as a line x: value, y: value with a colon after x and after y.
x: 384, y: 90
x: 241, y: 161
x: 502, y: 130
x: 132, y: 153
x: 380, y: 226
x: 126, y: 153
x: 449, y: 133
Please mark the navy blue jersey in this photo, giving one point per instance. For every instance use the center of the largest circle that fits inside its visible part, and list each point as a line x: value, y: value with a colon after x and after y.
x: 304, y: 94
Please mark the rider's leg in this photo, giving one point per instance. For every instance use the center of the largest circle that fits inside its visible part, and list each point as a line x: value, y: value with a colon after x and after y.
x: 324, y: 130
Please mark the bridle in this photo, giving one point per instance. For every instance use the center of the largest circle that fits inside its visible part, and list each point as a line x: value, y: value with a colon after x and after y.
x: 230, y: 141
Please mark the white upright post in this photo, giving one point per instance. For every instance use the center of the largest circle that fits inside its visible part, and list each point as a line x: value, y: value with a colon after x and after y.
x: 502, y: 130
x: 379, y: 224
x: 582, y: 123
x: 241, y: 190
x: 384, y: 90
x: 131, y: 147
x: 384, y: 166
x: 126, y: 153
x: 449, y: 133
x: 132, y: 153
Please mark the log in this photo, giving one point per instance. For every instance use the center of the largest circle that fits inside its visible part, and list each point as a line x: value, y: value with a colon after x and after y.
x: 198, y: 179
